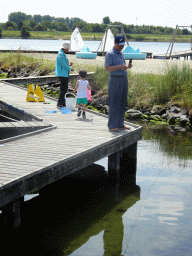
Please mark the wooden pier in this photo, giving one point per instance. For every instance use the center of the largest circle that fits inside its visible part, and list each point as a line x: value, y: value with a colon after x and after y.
x: 175, y: 55
x: 63, y: 146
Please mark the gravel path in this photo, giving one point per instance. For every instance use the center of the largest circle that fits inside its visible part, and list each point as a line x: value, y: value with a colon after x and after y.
x: 156, y: 66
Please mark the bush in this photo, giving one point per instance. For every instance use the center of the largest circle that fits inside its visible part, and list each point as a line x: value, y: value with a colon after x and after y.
x: 24, y: 32
x: 40, y: 28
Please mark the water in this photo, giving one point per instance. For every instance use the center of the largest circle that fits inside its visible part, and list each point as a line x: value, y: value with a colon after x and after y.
x: 54, y: 45
x: 76, y: 218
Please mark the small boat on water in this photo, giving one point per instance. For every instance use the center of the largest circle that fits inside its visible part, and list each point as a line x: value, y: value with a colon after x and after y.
x: 130, y: 53
x: 86, y: 53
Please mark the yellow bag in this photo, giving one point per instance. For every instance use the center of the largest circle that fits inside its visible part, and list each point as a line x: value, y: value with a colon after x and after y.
x: 34, y: 93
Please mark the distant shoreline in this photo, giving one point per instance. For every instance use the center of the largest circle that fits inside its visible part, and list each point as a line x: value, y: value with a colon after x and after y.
x: 145, y: 41
x: 50, y: 35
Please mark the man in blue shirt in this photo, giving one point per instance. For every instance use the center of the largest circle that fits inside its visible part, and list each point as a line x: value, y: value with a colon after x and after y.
x: 117, y: 84
x: 62, y: 69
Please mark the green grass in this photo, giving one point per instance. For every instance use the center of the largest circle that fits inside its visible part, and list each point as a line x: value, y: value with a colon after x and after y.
x: 51, y: 35
x: 145, y: 90
x: 20, y: 61
x: 96, y: 36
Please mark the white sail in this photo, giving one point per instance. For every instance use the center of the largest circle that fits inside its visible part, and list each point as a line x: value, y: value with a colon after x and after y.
x: 107, y: 43
x: 76, y: 41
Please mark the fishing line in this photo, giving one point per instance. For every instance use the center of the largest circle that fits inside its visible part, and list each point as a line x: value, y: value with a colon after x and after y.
x: 142, y: 207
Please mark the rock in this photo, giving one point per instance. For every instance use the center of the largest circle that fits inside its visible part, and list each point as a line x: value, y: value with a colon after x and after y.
x: 158, y: 110
x: 183, y: 119
x: 180, y: 129
x: 130, y: 111
x: 185, y: 112
x: 147, y: 113
x: 171, y: 114
x: 165, y: 116
x: 172, y: 120
x: 56, y: 85
x: 155, y: 117
x: 175, y: 109
x: 190, y: 117
x: 97, y: 103
x: 134, y: 114
x: 106, y: 109
x: 45, y: 86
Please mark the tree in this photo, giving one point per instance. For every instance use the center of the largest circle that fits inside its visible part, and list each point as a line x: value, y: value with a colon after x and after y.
x: 87, y: 28
x: 25, y: 33
x: 59, y: 20
x: 185, y: 31
x: 97, y: 27
x: 79, y: 25
x: 0, y: 32
x: 17, y: 16
x: 39, y: 27
x: 10, y: 24
x: 60, y: 26
x: 20, y: 25
x: 37, y: 18
x: 32, y: 23
x: 106, y: 20
x: 48, y: 24
x: 48, y: 17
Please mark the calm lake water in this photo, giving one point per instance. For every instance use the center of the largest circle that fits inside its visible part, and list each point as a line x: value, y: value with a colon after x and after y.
x: 54, y: 45
x: 77, y: 217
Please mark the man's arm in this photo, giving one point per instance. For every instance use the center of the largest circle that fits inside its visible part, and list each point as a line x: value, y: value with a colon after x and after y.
x: 115, y: 68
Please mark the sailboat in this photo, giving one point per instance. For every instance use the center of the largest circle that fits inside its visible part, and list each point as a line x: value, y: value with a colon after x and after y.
x: 107, y: 41
x: 78, y: 46
x: 76, y: 42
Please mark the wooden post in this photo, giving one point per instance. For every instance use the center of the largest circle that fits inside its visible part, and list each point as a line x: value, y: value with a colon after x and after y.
x: 128, y: 166
x: 122, y: 167
x: 12, y: 214
x: 114, y: 172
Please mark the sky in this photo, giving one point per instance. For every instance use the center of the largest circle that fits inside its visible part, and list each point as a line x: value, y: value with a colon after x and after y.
x: 138, y: 12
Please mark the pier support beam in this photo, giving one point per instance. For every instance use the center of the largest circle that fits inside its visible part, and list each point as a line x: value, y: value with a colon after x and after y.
x: 12, y: 214
x: 122, y: 167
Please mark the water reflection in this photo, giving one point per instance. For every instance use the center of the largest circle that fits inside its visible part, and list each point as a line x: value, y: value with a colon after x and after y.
x: 79, y: 216
x: 174, y: 145
x: 67, y: 216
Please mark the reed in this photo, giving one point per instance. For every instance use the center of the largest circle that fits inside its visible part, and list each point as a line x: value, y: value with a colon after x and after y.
x: 20, y: 61
x: 173, y: 86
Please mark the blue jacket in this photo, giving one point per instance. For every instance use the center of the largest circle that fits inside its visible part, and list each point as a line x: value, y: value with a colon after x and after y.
x: 62, y: 67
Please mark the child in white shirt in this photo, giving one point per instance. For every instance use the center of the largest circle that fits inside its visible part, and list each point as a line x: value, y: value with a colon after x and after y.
x: 81, y: 88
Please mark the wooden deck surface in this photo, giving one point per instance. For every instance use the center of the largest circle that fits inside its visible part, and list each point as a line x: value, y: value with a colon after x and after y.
x: 173, y: 54
x: 29, y: 163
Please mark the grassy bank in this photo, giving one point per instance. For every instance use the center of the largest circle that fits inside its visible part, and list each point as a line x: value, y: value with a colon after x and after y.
x: 96, y: 36
x: 145, y: 90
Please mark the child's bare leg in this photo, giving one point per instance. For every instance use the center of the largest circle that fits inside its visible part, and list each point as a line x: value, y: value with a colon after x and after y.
x: 78, y: 106
x: 84, y: 107
x: 79, y: 109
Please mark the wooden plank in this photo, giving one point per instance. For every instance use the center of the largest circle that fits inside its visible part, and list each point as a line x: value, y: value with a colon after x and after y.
x: 30, y: 163
x: 7, y: 124
x: 2, y: 125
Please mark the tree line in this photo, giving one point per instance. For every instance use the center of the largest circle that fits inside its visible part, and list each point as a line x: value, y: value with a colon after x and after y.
x: 26, y: 23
